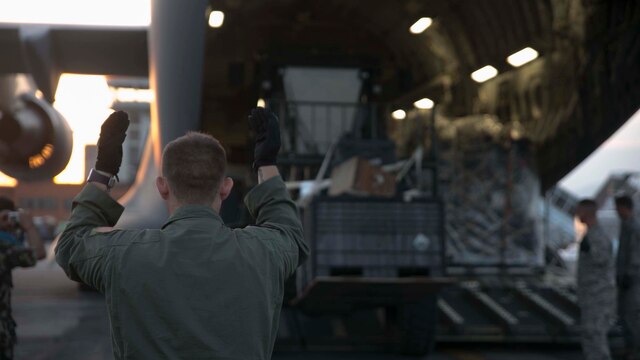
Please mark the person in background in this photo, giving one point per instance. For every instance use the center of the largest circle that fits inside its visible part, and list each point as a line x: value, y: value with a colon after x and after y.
x: 628, y: 276
x: 596, y: 285
x: 14, y: 224
x: 194, y: 289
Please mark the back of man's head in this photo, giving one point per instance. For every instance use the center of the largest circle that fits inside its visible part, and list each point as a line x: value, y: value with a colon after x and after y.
x: 194, y: 166
x: 7, y: 204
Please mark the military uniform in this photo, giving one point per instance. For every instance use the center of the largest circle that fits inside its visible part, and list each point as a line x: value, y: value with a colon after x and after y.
x: 628, y: 273
x: 11, y: 256
x: 194, y: 289
x: 596, y: 293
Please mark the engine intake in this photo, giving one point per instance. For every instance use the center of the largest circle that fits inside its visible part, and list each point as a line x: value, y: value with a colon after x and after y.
x: 35, y: 140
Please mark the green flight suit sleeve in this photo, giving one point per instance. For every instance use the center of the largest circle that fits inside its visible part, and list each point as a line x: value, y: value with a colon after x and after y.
x: 81, y: 251
x: 277, y: 220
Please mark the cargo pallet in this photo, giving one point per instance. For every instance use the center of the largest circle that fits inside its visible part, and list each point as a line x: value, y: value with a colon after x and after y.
x: 369, y: 254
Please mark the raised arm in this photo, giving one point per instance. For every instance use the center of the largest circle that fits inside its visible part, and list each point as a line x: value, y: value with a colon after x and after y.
x: 82, y: 245
x: 269, y: 203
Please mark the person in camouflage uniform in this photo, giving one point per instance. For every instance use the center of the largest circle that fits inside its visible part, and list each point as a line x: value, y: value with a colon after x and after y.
x: 10, y: 257
x: 13, y: 255
x: 596, y: 285
x: 628, y: 276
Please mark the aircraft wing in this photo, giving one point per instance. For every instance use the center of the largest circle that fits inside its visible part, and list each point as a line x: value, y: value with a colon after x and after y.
x: 47, y: 51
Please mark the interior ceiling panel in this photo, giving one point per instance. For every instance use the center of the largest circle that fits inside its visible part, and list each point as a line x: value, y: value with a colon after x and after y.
x: 465, y: 35
x: 349, y: 31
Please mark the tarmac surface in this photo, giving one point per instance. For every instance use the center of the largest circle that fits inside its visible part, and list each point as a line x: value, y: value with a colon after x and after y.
x: 58, y: 321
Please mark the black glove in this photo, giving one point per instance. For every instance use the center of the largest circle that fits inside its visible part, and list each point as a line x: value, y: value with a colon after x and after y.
x: 112, y: 134
x: 623, y: 281
x: 265, y: 125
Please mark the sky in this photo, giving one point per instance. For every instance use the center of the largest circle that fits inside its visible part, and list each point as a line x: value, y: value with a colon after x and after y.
x: 84, y: 12
x: 620, y: 153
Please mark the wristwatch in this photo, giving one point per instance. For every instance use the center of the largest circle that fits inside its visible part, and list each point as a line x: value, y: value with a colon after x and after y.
x: 96, y: 176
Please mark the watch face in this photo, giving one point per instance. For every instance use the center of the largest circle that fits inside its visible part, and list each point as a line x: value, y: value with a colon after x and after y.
x: 112, y: 182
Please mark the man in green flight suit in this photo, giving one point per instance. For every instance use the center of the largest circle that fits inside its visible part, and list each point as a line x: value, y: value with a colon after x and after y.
x: 194, y: 289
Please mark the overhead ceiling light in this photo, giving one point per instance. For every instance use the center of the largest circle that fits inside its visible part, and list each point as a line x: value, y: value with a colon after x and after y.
x: 421, y: 25
x: 424, y: 103
x: 216, y: 18
x: 399, y: 114
x: 261, y: 103
x: 483, y: 74
x: 522, y: 57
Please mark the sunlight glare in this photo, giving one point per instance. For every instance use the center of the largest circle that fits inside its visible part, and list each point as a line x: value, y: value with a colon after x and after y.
x: 7, y: 181
x: 134, y: 13
x: 85, y: 102
x: 132, y: 95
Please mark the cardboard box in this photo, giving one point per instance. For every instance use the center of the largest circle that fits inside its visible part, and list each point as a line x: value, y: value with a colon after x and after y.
x: 357, y: 177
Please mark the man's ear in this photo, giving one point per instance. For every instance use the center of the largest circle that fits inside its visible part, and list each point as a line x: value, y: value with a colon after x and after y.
x: 225, y: 188
x: 163, y: 187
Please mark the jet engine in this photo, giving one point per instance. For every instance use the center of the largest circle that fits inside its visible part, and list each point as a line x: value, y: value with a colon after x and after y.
x: 35, y: 140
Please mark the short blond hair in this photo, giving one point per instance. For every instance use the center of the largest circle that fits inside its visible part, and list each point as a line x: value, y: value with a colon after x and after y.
x: 194, y: 166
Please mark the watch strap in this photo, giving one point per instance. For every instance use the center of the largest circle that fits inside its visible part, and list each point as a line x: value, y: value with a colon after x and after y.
x: 96, y: 176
